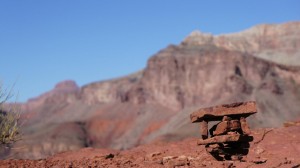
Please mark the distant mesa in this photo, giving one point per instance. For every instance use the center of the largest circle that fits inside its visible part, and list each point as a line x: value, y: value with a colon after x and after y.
x: 67, y: 85
x: 60, y: 90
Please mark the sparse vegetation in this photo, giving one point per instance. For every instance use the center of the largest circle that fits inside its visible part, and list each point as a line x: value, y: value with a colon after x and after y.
x: 9, y: 119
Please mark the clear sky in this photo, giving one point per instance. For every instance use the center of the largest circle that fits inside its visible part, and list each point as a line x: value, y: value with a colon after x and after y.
x: 44, y: 42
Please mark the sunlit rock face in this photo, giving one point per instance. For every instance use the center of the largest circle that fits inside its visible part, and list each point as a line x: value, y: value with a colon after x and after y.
x: 276, y: 42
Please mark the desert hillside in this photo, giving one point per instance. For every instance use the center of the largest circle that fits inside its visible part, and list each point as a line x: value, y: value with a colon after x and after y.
x: 260, y: 64
x: 268, y: 149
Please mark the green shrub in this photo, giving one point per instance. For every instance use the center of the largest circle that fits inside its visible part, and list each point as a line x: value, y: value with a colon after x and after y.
x: 9, y: 119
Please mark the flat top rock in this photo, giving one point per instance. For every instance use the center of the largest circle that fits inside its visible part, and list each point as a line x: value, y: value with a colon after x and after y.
x: 216, y: 113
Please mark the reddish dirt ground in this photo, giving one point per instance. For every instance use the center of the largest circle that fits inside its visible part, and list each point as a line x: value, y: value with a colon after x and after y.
x: 271, y: 148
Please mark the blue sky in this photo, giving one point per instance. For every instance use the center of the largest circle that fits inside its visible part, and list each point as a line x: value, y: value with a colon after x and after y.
x: 45, y: 42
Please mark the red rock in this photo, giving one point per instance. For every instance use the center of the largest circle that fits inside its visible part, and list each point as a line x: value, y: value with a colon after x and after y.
x: 216, y: 113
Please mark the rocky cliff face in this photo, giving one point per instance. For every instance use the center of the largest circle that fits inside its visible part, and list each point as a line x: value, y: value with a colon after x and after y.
x: 279, y: 43
x: 203, y: 70
x: 184, y: 76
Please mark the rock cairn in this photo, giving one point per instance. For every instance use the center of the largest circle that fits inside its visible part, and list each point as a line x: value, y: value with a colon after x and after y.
x: 229, y: 139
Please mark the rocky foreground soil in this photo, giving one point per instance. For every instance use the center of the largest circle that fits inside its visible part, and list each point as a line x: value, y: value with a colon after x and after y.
x: 278, y: 147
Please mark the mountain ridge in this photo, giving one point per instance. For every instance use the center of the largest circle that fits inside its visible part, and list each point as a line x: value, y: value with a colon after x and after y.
x: 264, y: 41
